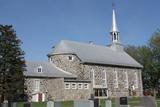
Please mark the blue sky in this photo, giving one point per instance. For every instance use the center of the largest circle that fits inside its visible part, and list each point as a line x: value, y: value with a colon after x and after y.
x: 41, y: 24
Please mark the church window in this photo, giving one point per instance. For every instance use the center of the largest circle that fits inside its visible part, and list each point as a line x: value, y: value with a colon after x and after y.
x: 126, y: 80
x: 36, y: 84
x: 135, y: 80
x: 39, y: 69
x: 80, y: 86
x: 115, y: 36
x: 86, y: 86
x: 67, y: 85
x: 104, y: 79
x: 93, y: 77
x: 74, y: 86
x: 70, y: 58
x: 100, y: 92
x: 115, y: 81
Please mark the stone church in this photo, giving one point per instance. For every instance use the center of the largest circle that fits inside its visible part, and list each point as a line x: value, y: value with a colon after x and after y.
x: 78, y: 70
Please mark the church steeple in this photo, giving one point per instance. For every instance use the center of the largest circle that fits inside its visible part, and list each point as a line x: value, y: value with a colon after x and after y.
x: 114, y: 30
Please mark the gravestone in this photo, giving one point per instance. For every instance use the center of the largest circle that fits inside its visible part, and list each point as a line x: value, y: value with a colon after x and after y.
x: 14, y: 104
x: 148, y: 101
x: 4, y: 104
x: 57, y: 104
x: 50, y: 104
x: 84, y: 103
x: 96, y: 102
x: 108, y: 103
x: 123, y: 101
x: 117, y: 102
x: 27, y: 104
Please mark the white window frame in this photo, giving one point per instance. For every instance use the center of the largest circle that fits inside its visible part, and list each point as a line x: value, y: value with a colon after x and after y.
x: 93, y: 76
x: 80, y: 86
x: 136, y: 79
x: 126, y: 80
x: 37, y: 85
x: 40, y: 68
x: 115, y: 79
x: 105, y: 79
x: 74, y: 86
x: 86, y: 84
x: 69, y: 86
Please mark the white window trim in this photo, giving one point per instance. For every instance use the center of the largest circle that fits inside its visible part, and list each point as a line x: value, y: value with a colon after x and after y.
x: 75, y: 86
x: 126, y: 81
x: 36, y: 84
x: 87, y: 86
x: 81, y: 86
x: 93, y: 77
x: 116, y: 79
x: 69, y: 86
x: 136, y: 79
x: 105, y: 78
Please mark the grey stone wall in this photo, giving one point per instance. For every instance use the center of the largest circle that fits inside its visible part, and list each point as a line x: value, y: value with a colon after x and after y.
x: 54, y: 89
x: 63, y: 62
x: 83, y: 71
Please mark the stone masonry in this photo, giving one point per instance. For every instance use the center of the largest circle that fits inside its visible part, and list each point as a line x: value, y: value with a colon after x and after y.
x: 84, y: 72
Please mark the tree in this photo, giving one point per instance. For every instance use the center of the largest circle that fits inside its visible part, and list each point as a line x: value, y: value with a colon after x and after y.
x: 149, y: 56
x: 12, y: 64
x: 154, y: 44
x: 143, y: 55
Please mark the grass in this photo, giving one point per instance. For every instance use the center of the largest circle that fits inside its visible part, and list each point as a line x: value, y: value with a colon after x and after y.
x: 132, y: 102
x: 34, y: 104
x: 67, y: 104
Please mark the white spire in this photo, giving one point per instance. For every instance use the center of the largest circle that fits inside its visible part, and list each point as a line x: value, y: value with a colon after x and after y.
x: 114, y: 31
x: 114, y: 24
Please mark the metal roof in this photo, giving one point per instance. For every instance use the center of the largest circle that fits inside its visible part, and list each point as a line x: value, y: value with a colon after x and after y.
x: 91, y: 53
x: 48, y: 70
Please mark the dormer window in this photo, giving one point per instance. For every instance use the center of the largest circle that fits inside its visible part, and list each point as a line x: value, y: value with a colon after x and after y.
x: 70, y: 58
x: 39, y: 69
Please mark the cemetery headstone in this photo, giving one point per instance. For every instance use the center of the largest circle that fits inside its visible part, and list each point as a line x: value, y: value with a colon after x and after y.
x: 96, y: 102
x: 50, y: 104
x: 117, y: 102
x: 123, y: 101
x: 84, y: 103
x: 148, y: 101
x: 13, y: 104
x: 57, y: 104
x: 27, y: 104
x: 108, y: 103
x: 4, y: 104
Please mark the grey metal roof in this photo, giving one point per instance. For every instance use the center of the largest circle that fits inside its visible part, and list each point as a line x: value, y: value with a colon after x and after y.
x: 95, y: 53
x: 48, y: 70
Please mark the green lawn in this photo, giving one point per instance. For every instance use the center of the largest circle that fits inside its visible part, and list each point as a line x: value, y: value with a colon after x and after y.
x: 67, y: 104
x: 132, y: 101
x: 34, y: 104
